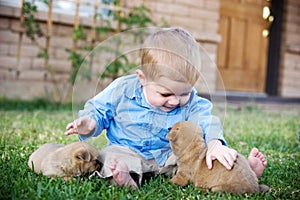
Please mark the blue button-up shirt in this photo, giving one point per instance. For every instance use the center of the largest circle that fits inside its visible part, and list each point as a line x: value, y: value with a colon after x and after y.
x: 130, y: 121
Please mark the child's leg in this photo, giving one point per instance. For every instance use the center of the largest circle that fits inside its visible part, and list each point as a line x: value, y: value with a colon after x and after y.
x: 124, y: 166
x: 120, y: 173
x: 257, y: 162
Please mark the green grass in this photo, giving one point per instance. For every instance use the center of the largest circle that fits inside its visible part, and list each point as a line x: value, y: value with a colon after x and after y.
x: 275, y: 133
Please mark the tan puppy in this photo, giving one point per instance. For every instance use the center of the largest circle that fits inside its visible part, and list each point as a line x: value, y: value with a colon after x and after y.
x: 188, y: 145
x: 57, y: 160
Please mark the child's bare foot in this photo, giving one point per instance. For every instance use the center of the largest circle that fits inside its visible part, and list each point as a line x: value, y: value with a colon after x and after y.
x: 121, y: 174
x: 257, y: 161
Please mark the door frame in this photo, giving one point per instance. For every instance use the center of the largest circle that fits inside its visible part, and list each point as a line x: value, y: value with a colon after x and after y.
x: 274, y: 49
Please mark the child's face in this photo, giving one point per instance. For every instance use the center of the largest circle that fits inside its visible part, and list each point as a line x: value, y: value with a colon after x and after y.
x: 166, y: 94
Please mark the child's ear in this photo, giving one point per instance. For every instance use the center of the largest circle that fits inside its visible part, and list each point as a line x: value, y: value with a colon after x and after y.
x: 141, y: 76
x: 82, y: 155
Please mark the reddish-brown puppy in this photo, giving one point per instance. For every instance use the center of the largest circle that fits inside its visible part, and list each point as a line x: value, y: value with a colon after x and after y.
x: 187, y: 143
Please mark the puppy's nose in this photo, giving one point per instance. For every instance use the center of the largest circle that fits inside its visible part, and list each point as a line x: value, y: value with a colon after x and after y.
x: 98, y: 164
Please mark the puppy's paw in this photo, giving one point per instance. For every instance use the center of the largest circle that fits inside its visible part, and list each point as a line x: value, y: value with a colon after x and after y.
x: 179, y: 179
x: 264, y: 188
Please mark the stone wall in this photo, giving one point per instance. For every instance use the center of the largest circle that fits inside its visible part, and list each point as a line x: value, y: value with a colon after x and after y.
x: 289, y: 81
x: 31, y: 78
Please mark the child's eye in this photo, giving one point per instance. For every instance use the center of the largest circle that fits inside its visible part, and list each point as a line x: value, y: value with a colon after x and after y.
x: 186, y: 94
x: 166, y: 94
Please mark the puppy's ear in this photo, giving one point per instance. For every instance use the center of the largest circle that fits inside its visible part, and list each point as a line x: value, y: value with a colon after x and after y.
x: 172, y: 134
x: 82, y: 155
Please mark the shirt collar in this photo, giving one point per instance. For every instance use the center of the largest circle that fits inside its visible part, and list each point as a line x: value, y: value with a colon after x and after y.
x: 136, y: 92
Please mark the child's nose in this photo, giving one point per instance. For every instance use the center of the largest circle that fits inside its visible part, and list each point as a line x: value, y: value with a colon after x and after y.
x: 174, y: 100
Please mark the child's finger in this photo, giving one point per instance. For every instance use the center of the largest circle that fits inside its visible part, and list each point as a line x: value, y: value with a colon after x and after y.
x: 229, y: 161
x: 233, y: 154
x: 226, y: 162
x: 69, y: 126
x: 208, y: 161
x: 69, y: 132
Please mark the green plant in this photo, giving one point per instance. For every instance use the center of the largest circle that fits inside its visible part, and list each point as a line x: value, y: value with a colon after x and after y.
x: 137, y: 18
x: 79, y: 34
x: 32, y: 27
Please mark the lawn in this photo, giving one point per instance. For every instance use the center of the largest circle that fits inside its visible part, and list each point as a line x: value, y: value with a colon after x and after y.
x: 276, y: 133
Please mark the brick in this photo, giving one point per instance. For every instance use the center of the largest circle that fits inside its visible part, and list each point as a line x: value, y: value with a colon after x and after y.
x: 4, y: 49
x: 294, y: 2
x: 292, y: 19
x: 15, y: 26
x: 212, y: 5
x: 8, y: 36
x: 165, y: 1
x: 33, y: 75
x: 6, y: 11
x: 86, y: 21
x: 211, y: 26
x: 292, y: 58
x: 204, y: 14
x: 25, y: 63
x: 60, y: 53
x: 62, y: 30
x: 151, y: 5
x: 38, y: 64
x: 65, y: 77
x: 42, y: 16
x: 210, y: 47
x: 56, y: 65
x: 7, y: 62
x: 297, y: 66
x: 63, y: 18
x: 7, y: 74
x: 288, y: 64
x: 16, y: 12
x: 132, y: 3
x: 292, y: 28
x: 291, y: 9
x: 290, y: 77
x: 39, y: 41
x: 25, y: 89
x: 293, y: 38
x: 286, y: 91
x: 173, y: 9
x: 4, y: 23
x: 191, y: 3
x: 26, y: 50
x: 61, y: 65
x: 64, y: 42
x: 161, y: 18
x: 187, y: 22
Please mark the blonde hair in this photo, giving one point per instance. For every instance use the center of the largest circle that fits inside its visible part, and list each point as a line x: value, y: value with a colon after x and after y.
x: 172, y: 53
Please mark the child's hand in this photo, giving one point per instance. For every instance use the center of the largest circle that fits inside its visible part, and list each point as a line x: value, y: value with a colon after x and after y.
x: 226, y: 156
x: 81, y: 126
